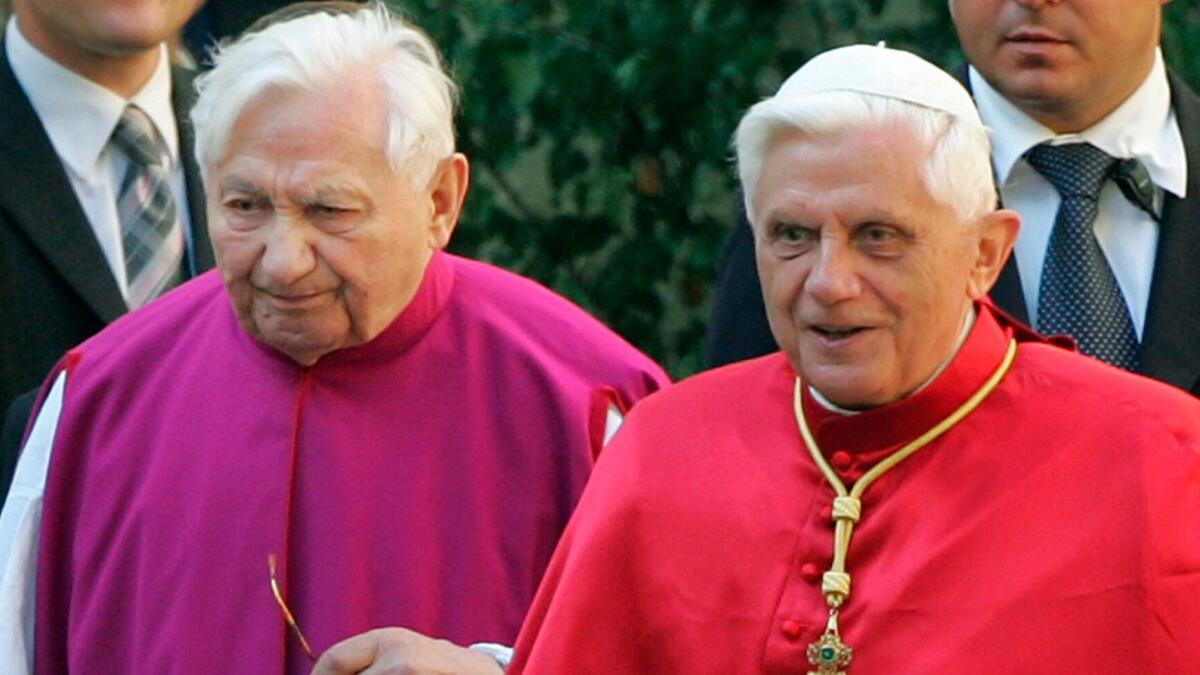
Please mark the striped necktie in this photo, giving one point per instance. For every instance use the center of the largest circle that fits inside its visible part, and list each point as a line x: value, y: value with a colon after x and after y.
x: 150, y: 231
x: 1079, y: 294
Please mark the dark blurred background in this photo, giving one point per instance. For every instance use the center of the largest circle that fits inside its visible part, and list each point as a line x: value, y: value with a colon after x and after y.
x: 599, y: 131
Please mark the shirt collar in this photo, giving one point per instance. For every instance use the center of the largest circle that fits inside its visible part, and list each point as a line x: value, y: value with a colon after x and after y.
x: 79, y: 115
x: 1144, y: 126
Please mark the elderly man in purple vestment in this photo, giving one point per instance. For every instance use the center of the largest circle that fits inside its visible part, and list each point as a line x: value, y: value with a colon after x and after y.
x: 345, y: 429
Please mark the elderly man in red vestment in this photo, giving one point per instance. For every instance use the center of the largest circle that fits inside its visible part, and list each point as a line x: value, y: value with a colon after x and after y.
x: 916, y: 484
x: 346, y: 428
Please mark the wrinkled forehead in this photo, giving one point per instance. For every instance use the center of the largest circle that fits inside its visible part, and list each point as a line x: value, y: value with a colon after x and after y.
x: 279, y: 146
x: 862, y: 173
x: 883, y: 153
x: 297, y: 123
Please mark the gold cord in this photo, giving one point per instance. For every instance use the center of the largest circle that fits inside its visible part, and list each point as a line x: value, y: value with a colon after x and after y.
x: 847, y: 506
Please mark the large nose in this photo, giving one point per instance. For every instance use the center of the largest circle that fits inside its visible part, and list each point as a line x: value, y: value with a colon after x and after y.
x: 834, y: 274
x: 288, y: 254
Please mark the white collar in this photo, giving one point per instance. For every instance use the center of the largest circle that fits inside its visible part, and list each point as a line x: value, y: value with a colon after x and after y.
x: 1144, y: 126
x: 79, y: 115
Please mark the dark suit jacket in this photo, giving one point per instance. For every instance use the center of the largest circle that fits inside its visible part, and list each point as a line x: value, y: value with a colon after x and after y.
x: 1170, y: 349
x: 55, y: 287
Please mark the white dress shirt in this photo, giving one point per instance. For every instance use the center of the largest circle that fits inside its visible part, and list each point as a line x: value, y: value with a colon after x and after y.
x: 1145, y: 127
x: 20, y: 525
x: 79, y: 116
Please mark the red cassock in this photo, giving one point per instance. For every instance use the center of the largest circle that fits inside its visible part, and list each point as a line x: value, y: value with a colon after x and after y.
x: 419, y: 480
x: 1056, y: 529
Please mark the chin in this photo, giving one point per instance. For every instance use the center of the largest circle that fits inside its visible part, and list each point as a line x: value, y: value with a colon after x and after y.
x: 303, y: 344
x: 305, y: 353
x: 847, y: 389
x: 853, y: 400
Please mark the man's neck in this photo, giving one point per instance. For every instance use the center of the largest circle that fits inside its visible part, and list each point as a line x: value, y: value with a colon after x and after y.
x: 123, y: 74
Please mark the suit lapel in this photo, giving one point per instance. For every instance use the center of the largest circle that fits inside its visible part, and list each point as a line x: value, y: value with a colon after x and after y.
x: 1171, y: 343
x: 37, y: 196
x: 182, y: 99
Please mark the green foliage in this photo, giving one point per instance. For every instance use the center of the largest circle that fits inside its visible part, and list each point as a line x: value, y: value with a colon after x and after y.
x: 599, y: 132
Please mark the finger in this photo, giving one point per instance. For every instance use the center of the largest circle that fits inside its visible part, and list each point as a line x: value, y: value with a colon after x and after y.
x: 351, y: 655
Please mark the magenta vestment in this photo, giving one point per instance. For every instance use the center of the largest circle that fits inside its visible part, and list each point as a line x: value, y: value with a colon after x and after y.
x: 419, y: 480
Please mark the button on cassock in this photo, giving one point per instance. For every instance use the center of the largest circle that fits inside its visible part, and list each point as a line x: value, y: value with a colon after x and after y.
x: 810, y: 571
x: 827, y: 516
x: 841, y: 460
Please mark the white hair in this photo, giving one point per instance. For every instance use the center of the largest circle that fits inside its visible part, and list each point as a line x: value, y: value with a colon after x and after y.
x: 958, y: 172
x: 319, y: 51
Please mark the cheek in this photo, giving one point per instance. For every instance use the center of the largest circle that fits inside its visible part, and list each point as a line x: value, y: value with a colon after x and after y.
x: 366, y: 275
x: 970, y: 22
x: 782, y: 287
x: 778, y: 285
x: 236, y: 254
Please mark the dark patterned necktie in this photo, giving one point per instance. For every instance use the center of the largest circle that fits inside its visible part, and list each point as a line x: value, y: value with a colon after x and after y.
x: 1079, y: 294
x: 150, y: 232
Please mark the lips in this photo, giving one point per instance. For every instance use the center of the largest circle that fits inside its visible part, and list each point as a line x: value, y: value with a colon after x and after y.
x: 837, y: 332
x: 295, y: 301
x: 1036, y: 34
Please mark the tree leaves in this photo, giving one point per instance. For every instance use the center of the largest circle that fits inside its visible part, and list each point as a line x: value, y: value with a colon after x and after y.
x: 599, y: 134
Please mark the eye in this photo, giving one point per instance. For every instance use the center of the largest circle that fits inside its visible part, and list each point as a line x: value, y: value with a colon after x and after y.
x: 791, y: 233
x: 325, y: 210
x: 788, y: 240
x: 879, y: 235
x: 242, y: 210
x: 334, y: 218
x: 881, y: 239
x: 241, y: 205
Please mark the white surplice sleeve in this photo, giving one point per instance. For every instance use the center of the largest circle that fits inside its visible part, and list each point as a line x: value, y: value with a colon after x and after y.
x: 612, y: 422
x: 20, y: 523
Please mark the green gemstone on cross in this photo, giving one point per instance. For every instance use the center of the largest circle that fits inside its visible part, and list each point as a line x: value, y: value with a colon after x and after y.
x: 828, y: 654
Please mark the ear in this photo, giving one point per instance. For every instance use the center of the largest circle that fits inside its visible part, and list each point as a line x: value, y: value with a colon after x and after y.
x: 997, y: 232
x: 447, y: 191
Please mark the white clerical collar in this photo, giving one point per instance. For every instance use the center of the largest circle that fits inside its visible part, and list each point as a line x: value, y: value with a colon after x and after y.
x: 963, y: 333
x: 79, y: 115
x: 1144, y: 126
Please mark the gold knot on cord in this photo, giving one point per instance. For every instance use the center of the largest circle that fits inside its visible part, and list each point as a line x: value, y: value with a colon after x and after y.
x: 847, y: 508
x: 835, y: 584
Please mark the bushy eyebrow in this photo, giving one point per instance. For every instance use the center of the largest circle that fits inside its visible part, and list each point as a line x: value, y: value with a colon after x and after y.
x: 238, y: 184
x: 330, y: 193
x: 323, y: 194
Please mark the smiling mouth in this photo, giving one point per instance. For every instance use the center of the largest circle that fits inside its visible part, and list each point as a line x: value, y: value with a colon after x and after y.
x: 836, y: 332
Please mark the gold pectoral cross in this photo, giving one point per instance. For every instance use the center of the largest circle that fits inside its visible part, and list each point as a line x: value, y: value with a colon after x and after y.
x: 829, y: 654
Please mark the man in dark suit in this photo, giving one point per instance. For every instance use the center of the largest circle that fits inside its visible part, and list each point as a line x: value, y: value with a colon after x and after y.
x: 1046, y: 73
x: 70, y: 72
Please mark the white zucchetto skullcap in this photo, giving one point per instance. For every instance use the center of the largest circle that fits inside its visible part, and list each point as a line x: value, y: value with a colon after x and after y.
x: 881, y: 71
